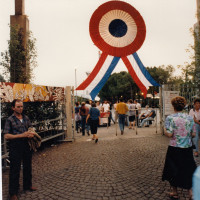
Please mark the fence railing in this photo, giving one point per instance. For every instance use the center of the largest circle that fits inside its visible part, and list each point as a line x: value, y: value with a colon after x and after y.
x: 47, y: 129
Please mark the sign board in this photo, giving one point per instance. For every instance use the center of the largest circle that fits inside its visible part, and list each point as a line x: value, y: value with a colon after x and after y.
x: 168, y: 96
x: 30, y: 92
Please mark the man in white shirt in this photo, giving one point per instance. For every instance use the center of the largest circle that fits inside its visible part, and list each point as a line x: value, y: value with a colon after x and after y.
x: 87, y: 104
x: 138, y: 111
x: 106, y: 108
x: 195, y: 113
x: 145, y: 113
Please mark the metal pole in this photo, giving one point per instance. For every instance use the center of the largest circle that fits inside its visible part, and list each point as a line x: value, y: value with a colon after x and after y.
x: 161, y: 89
x: 76, y: 84
x: 136, y: 121
x: 156, y: 120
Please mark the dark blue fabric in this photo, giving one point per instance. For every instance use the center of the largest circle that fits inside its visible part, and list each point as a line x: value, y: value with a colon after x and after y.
x: 14, y: 126
x: 98, y: 87
x: 144, y: 70
x: 118, y: 28
x: 76, y: 109
x: 94, y: 113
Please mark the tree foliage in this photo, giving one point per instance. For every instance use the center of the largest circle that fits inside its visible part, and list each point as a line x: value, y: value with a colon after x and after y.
x: 122, y: 84
x: 119, y: 84
x: 196, y: 58
x: 19, y: 60
x: 2, y: 78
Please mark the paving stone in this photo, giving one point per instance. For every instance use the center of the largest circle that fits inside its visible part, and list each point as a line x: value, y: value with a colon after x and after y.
x: 118, y: 167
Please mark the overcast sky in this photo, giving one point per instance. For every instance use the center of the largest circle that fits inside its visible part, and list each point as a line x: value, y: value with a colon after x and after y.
x: 61, y: 28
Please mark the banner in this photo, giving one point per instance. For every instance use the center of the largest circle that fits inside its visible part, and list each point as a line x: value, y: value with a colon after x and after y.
x: 30, y: 92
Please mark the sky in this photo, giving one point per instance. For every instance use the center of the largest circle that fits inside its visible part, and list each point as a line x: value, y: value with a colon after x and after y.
x: 61, y: 28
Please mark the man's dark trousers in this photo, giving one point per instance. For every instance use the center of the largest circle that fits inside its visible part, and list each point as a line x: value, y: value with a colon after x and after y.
x: 20, y: 152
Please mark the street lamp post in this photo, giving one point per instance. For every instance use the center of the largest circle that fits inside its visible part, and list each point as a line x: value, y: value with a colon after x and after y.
x: 75, y: 84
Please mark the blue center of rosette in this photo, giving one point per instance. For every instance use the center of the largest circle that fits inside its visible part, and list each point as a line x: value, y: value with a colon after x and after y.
x: 118, y: 28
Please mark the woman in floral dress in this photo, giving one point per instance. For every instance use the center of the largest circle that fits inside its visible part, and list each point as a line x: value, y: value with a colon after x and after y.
x: 179, y: 164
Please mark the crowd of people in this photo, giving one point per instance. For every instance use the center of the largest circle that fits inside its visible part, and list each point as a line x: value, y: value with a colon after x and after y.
x: 182, y: 129
x: 127, y: 113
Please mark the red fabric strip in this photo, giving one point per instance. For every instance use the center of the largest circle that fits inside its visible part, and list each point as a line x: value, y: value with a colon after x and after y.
x: 134, y: 76
x: 94, y: 72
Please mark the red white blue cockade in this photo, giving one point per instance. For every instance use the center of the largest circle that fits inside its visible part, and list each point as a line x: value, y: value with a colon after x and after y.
x: 118, y: 30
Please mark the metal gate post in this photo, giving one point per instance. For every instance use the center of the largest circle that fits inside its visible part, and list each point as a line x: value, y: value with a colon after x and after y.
x: 161, y: 110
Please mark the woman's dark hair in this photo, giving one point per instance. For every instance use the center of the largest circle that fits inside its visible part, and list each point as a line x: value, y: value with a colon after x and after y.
x: 178, y: 103
x: 93, y: 104
x: 130, y: 100
x: 14, y: 102
x: 197, y: 100
x: 77, y: 104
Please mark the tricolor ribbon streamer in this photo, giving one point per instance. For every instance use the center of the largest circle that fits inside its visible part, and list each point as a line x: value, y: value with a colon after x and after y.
x: 118, y: 30
x: 105, y: 66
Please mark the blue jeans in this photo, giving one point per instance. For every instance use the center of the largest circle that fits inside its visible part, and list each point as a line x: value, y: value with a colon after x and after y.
x: 83, y: 122
x: 146, y: 120
x: 121, y: 121
x: 78, y: 123
x: 196, y: 138
x: 88, y: 127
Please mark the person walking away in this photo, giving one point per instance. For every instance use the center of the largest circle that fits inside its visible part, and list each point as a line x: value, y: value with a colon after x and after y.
x: 195, y: 113
x: 179, y: 162
x: 77, y: 117
x: 115, y: 112
x: 88, y: 106
x: 127, y: 115
x: 138, y: 111
x: 111, y: 115
x: 131, y: 108
x: 94, y: 115
x: 121, y: 109
x: 83, y: 111
x: 16, y: 132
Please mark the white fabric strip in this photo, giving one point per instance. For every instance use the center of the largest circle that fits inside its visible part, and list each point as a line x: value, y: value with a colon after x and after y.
x: 139, y: 72
x: 101, y: 73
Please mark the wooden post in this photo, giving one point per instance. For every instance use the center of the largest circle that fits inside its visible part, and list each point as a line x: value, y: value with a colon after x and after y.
x: 19, y: 7
x: 68, y: 107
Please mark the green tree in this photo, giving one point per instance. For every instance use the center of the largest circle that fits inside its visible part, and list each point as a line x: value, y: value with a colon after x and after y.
x: 162, y: 74
x: 187, y: 72
x: 19, y: 60
x: 119, y: 84
x: 122, y: 84
x: 2, y: 78
x: 196, y: 57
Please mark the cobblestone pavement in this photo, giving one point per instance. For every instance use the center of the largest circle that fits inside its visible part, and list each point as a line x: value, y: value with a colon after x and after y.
x: 118, y: 167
